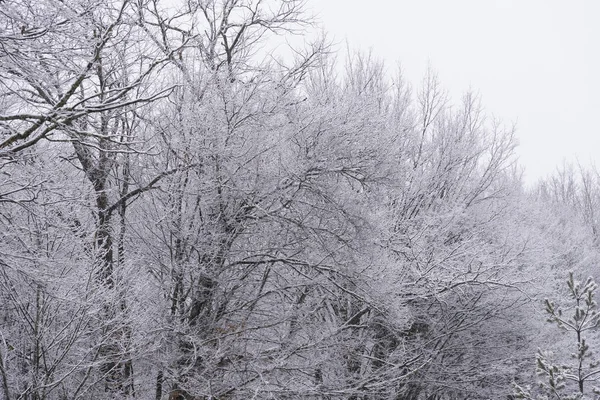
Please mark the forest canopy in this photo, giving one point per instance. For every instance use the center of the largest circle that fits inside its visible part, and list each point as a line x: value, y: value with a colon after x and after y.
x: 189, y: 212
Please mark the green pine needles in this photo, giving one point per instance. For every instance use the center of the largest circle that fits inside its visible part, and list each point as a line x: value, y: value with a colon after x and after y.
x: 569, y: 381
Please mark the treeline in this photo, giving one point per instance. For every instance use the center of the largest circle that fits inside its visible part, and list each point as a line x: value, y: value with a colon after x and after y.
x: 188, y: 213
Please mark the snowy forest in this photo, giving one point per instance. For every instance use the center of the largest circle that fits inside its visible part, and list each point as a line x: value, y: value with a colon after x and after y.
x: 209, y: 199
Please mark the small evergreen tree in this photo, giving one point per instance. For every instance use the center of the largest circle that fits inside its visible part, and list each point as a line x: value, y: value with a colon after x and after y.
x: 568, y: 382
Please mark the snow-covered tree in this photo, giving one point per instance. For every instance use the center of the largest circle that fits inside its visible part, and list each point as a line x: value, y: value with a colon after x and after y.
x: 561, y: 378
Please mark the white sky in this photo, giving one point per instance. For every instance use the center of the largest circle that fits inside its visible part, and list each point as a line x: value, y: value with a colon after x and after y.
x: 534, y: 62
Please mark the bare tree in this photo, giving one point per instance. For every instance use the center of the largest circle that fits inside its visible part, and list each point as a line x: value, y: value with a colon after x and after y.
x: 185, y: 211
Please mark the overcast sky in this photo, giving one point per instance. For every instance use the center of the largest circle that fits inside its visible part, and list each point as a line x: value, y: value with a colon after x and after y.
x: 534, y: 62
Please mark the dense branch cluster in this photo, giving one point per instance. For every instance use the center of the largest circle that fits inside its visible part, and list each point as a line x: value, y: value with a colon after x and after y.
x: 188, y: 212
